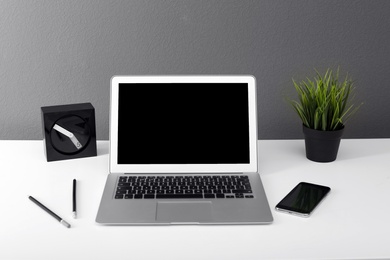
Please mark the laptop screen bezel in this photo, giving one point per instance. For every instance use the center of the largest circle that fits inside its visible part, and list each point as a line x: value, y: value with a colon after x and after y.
x: 183, y: 168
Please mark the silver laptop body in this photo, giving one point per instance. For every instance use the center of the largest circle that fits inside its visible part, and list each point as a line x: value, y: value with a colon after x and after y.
x: 166, y: 131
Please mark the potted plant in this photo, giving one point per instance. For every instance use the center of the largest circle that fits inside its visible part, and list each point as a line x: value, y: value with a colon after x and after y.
x: 324, y: 107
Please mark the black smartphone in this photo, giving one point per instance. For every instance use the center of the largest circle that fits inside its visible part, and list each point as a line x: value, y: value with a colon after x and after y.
x: 303, y: 199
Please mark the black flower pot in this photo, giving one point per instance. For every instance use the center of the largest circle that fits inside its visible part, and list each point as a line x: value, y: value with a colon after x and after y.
x: 322, y: 146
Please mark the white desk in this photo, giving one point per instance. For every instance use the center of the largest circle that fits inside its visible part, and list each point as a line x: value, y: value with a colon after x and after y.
x: 353, y: 222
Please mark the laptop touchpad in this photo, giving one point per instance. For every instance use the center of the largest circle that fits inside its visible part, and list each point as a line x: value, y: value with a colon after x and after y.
x: 184, y: 211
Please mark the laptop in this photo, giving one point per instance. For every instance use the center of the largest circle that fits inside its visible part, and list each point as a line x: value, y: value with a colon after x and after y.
x: 183, y: 150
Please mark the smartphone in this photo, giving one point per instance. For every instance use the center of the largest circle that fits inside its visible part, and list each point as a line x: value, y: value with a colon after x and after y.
x: 303, y: 199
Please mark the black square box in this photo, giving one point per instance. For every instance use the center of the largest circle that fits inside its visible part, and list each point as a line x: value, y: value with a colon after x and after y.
x: 69, y: 131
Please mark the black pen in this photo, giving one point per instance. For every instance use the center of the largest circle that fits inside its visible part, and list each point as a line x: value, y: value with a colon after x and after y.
x: 63, y: 222
x: 74, y: 199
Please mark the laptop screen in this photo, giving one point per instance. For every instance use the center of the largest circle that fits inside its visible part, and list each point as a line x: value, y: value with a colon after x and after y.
x: 183, y: 123
x: 180, y: 124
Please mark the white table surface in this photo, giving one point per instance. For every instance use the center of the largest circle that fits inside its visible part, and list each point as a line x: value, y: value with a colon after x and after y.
x: 353, y: 222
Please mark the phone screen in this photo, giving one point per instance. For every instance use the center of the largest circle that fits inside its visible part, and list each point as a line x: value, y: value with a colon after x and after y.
x: 303, y: 199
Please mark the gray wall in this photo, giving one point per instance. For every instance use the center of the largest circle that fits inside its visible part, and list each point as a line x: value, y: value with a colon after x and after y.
x: 59, y: 52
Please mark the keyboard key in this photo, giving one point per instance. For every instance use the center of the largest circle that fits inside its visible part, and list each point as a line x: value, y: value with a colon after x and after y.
x: 124, y: 184
x: 209, y: 196
x: 119, y: 196
x: 241, y: 191
x: 179, y: 196
x: 121, y: 192
x: 149, y: 196
x: 122, y: 179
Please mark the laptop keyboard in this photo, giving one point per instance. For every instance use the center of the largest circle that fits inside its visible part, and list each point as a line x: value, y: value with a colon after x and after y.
x: 184, y: 187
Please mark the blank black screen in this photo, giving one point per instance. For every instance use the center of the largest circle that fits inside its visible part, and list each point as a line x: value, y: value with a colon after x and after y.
x: 303, y: 198
x: 183, y: 123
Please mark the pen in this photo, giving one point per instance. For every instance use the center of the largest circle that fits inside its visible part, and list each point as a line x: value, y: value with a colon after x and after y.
x: 74, y: 199
x: 63, y: 222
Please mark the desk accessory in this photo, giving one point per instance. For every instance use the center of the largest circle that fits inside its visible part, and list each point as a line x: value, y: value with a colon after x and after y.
x: 74, y: 211
x: 63, y: 222
x: 324, y: 107
x: 303, y: 199
x: 69, y: 131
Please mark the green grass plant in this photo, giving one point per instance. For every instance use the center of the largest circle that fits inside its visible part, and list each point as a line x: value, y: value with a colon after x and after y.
x: 324, y: 102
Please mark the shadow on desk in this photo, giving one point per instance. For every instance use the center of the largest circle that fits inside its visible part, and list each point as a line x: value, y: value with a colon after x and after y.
x: 351, y: 149
x: 276, y: 156
x: 102, y: 148
x: 280, y: 155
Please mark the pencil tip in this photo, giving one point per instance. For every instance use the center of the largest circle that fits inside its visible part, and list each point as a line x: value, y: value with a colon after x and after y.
x: 66, y: 224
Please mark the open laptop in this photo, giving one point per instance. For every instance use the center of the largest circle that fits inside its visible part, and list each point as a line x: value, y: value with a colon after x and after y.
x: 183, y: 150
